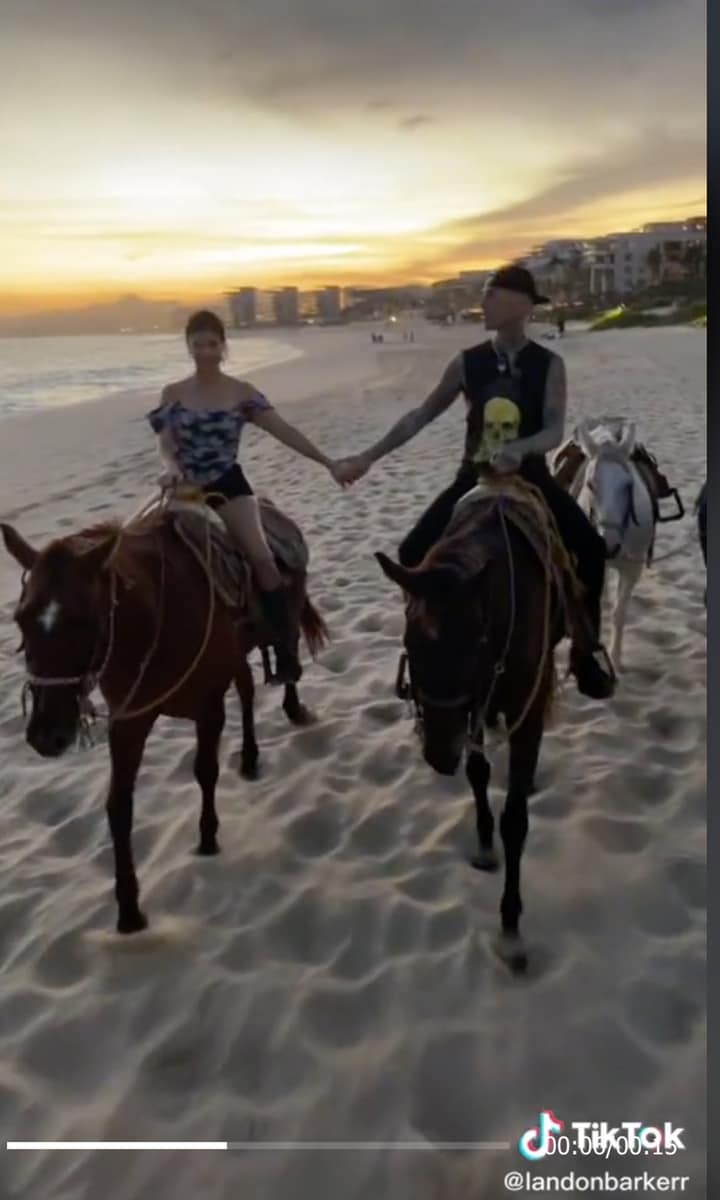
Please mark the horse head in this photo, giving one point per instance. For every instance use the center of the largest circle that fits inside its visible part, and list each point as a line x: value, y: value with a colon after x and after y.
x: 607, y: 493
x: 443, y: 645
x: 63, y: 622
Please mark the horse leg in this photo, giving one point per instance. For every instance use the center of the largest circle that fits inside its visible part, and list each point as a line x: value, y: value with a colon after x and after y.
x: 628, y: 575
x: 127, y: 742
x: 245, y: 685
x: 524, y: 752
x: 477, y: 770
x: 209, y: 731
x: 295, y: 711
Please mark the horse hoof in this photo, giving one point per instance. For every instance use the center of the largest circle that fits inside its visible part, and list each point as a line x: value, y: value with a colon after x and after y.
x: 132, y: 923
x: 208, y: 849
x: 510, y: 949
x: 486, y: 860
x: 302, y: 716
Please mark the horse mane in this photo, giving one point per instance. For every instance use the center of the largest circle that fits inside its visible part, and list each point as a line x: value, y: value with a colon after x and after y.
x: 131, y: 548
x: 460, y: 549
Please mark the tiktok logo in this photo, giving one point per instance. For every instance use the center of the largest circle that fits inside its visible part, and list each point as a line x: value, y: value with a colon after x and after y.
x: 535, y: 1143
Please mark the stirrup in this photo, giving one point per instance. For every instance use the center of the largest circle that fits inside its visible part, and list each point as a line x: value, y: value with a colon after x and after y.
x: 607, y: 661
x: 270, y: 676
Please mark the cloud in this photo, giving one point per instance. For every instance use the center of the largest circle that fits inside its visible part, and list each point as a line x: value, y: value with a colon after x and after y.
x: 416, y: 121
x: 297, y: 55
x: 651, y: 160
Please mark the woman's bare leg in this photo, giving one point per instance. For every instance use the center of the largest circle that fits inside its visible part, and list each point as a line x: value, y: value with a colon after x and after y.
x: 242, y: 518
x: 243, y: 521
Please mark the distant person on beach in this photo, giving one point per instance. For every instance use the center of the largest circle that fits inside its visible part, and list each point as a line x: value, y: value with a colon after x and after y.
x: 199, y: 423
x: 561, y: 326
x: 515, y: 391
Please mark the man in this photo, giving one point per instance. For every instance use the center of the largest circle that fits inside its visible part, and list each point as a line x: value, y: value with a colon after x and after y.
x: 515, y: 391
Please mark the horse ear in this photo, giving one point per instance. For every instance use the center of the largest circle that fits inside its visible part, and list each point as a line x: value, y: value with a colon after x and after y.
x: 585, y: 439
x: 433, y: 583
x: 627, y: 441
x: 398, y: 574
x: 20, y: 550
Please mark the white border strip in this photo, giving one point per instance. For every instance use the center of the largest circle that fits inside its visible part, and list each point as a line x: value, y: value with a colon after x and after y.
x: 258, y: 1146
x: 116, y: 1145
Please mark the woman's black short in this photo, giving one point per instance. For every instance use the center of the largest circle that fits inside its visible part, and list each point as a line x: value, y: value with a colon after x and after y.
x: 228, y: 486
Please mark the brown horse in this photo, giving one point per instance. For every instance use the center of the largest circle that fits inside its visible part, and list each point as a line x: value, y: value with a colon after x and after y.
x: 483, y: 614
x: 133, y: 611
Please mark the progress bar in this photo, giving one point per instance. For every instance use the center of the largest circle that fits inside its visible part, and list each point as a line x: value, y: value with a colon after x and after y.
x: 259, y: 1146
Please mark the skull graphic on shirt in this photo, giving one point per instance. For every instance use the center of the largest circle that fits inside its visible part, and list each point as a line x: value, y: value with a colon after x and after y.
x: 501, y: 424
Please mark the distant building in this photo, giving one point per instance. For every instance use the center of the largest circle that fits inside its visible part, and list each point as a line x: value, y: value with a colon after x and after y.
x: 287, y: 306
x: 307, y: 306
x: 600, y: 258
x: 474, y: 278
x: 329, y: 305
x: 627, y: 262
x: 243, y: 305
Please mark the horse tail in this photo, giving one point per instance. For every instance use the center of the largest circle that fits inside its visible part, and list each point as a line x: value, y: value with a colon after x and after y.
x: 314, y: 629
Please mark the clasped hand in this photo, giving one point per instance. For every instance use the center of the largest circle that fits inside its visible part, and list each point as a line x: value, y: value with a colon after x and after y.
x: 346, y: 471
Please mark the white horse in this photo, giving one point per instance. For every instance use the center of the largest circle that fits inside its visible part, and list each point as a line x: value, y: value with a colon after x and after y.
x: 613, y: 494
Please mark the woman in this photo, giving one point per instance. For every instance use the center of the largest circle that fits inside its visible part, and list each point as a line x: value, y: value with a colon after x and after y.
x: 199, y: 422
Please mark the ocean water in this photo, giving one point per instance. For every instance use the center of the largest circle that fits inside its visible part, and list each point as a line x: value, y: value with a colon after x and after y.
x: 51, y: 372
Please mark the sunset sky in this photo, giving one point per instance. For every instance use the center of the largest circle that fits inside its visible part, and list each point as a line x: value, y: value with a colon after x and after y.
x: 170, y: 148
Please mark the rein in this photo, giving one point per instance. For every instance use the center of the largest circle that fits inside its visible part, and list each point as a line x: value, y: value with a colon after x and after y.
x: 406, y: 689
x: 87, y: 682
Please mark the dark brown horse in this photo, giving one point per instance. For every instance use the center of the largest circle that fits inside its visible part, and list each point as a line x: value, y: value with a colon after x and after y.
x: 482, y: 618
x: 131, y: 610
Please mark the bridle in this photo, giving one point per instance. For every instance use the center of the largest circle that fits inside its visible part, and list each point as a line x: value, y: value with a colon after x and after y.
x: 620, y: 528
x: 85, y: 683
x: 477, y: 706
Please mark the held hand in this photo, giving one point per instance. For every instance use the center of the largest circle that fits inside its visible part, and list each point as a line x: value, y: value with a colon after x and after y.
x: 349, y: 470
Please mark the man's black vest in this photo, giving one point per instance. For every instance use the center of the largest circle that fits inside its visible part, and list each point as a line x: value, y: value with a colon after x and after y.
x: 503, y: 402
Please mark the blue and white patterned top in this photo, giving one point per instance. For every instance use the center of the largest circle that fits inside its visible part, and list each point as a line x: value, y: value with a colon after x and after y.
x: 206, y: 440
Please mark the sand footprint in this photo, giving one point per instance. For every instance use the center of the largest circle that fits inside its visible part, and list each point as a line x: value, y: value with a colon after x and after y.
x: 341, y: 1017
x: 617, y: 836
x: 447, y: 928
x: 63, y: 962
x: 304, y: 931
x: 403, y: 930
x: 314, y: 834
x: 689, y: 877
x: 384, y: 712
x: 661, y: 1014
x: 376, y: 835
x: 449, y: 1101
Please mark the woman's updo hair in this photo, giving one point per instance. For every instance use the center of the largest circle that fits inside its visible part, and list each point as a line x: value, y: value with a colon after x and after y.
x: 205, y: 322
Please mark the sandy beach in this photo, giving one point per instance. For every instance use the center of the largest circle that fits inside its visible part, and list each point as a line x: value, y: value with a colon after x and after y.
x: 328, y: 977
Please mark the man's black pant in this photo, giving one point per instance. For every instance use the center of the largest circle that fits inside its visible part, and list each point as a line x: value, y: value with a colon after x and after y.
x: 576, y: 531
